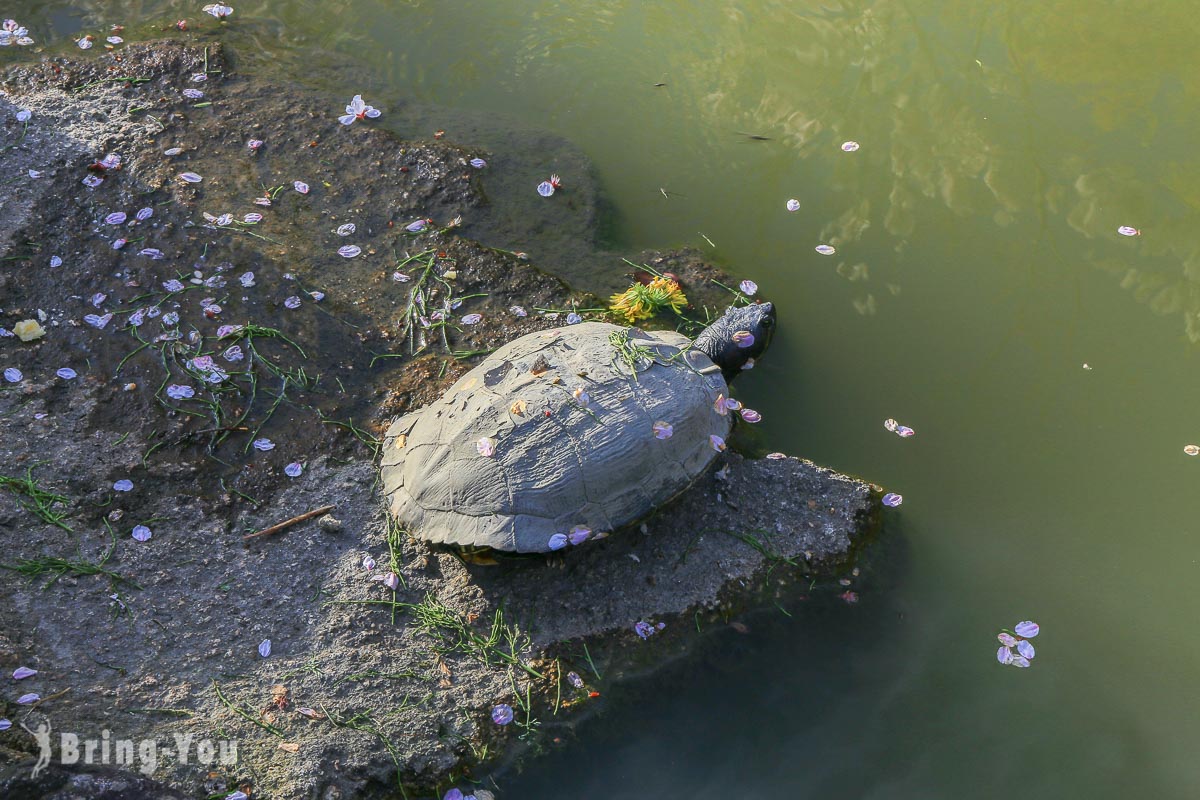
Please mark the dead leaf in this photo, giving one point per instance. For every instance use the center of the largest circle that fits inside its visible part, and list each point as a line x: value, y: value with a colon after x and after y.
x: 518, y: 408
x: 291, y: 747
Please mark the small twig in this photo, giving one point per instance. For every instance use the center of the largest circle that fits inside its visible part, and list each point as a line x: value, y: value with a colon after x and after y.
x: 287, y: 523
x: 48, y: 698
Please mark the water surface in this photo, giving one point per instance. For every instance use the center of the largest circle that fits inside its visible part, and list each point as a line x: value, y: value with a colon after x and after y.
x: 978, y: 269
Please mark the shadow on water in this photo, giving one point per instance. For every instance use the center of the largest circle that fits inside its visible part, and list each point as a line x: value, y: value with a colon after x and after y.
x: 778, y: 675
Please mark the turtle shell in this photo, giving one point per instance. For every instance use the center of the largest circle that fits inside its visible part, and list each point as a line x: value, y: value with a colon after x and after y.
x: 569, y: 417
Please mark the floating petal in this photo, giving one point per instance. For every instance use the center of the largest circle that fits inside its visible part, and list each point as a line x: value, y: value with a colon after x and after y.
x: 1004, y: 655
x: 558, y: 541
x: 115, y: 218
x: 190, y: 177
x: 349, y: 251
x: 294, y: 469
x: 486, y: 446
x: 1192, y: 450
x: 1006, y: 639
x: 825, y: 249
x: 579, y: 534
x: 662, y: 430
x: 793, y: 205
x: 748, y: 287
x: 717, y: 442
x: 141, y: 533
x: 472, y: 319
x: 545, y: 188
x: 28, y: 699
x: 347, y: 229
x: 502, y: 714
x: 264, y: 648
x: 478, y: 163
x: 13, y: 375
x: 849, y: 147
x: 1126, y: 230
x: 1020, y: 661
x: 1027, y: 629
x: 892, y: 500
x: 300, y: 186
x: 67, y: 374
x: 21, y: 673
x: 123, y: 485
x: 750, y: 415
x: 1025, y: 648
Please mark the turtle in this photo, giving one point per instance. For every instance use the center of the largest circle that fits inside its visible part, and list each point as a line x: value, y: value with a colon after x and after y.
x: 568, y: 434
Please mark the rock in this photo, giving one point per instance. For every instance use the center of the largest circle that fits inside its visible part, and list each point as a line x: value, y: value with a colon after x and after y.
x: 165, y: 642
x: 329, y: 524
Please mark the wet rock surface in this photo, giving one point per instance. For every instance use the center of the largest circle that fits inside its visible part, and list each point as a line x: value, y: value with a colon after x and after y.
x: 385, y: 657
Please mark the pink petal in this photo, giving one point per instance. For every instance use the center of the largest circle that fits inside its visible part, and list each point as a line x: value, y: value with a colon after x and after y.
x: 1027, y: 629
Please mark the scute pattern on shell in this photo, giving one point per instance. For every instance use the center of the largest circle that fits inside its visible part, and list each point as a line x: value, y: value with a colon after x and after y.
x: 601, y: 466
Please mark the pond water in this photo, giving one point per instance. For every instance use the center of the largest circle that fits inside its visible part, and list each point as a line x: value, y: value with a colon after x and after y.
x: 980, y: 293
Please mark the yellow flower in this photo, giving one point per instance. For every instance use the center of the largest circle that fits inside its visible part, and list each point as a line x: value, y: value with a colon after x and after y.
x: 641, y: 301
x: 28, y: 330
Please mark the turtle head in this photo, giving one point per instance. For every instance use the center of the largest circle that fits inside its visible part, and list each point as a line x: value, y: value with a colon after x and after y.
x: 738, y: 336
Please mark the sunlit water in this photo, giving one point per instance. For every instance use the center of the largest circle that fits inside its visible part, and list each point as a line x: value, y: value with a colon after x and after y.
x: 978, y: 268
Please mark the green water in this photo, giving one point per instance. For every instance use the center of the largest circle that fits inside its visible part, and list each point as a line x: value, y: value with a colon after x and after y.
x: 978, y: 268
